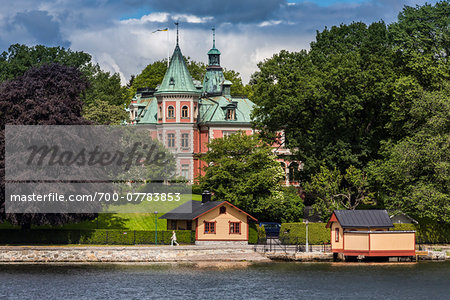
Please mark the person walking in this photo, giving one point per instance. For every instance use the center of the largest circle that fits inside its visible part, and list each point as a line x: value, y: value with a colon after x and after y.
x: 174, y: 239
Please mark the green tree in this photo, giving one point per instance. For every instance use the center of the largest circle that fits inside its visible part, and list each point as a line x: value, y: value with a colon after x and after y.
x: 421, y: 42
x: 103, y: 86
x: 242, y: 169
x: 331, y: 102
x: 414, y: 174
x: 103, y: 113
x: 334, y: 190
x: 19, y: 58
x: 421, y: 39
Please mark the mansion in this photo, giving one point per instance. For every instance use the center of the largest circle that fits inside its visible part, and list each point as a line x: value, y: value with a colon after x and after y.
x: 185, y: 114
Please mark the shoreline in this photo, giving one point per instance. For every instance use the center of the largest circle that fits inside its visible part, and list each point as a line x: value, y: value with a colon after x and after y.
x: 141, y: 254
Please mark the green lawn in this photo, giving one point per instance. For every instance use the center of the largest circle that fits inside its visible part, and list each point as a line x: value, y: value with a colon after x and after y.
x: 123, y: 220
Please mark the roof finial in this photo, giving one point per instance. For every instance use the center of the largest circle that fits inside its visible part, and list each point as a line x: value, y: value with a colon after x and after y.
x: 214, y: 36
x: 176, y: 23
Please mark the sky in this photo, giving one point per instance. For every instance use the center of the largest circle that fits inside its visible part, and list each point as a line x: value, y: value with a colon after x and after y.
x: 119, y: 33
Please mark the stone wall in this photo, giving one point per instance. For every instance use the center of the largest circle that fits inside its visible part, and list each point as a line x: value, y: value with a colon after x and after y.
x: 128, y: 254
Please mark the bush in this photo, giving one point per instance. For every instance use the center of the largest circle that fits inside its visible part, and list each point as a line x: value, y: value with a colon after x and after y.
x: 428, y: 233
x: 295, y: 233
x: 197, y: 189
x: 253, y: 233
x: 94, y: 237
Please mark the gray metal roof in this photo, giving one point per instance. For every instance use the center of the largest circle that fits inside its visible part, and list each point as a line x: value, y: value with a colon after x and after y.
x: 198, y: 208
x: 363, y: 218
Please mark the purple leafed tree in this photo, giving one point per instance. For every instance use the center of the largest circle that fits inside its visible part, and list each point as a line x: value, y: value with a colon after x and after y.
x: 45, y: 95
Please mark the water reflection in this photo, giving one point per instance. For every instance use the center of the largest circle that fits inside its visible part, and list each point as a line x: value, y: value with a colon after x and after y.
x: 226, y: 280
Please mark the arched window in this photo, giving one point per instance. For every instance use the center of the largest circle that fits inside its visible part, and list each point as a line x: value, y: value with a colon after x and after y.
x: 184, y: 112
x: 170, y: 112
x: 223, y: 209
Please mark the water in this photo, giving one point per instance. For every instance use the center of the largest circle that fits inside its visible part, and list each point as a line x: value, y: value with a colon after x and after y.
x: 424, y: 280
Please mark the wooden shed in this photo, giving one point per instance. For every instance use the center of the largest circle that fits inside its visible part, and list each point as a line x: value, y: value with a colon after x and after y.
x: 366, y: 233
x: 214, y: 222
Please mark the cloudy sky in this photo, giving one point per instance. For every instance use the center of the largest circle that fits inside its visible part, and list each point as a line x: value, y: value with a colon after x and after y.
x: 118, y: 33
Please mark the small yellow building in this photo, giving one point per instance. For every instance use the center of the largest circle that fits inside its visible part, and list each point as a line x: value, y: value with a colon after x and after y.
x: 214, y: 222
x: 366, y: 233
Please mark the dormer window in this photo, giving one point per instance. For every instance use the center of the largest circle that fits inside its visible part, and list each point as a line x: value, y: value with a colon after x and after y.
x: 170, y: 112
x: 172, y: 81
x: 185, y: 112
x: 231, y: 114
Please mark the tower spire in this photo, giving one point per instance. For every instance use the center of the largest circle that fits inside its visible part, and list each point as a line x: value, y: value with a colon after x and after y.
x: 176, y: 23
x: 214, y: 36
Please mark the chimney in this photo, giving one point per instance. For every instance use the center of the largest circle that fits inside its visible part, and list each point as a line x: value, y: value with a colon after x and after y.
x: 206, y: 196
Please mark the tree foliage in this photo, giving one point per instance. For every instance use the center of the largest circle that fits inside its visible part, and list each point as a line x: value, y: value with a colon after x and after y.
x: 103, y: 113
x: 332, y: 101
x: 103, y: 86
x: 45, y: 95
x: 19, y: 58
x: 421, y: 39
x: 334, y: 190
x: 414, y: 174
x: 242, y: 169
x: 373, y: 97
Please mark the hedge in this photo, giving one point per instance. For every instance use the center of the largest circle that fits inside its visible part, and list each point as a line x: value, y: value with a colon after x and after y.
x: 96, y: 237
x: 253, y: 233
x: 295, y: 233
x: 431, y: 233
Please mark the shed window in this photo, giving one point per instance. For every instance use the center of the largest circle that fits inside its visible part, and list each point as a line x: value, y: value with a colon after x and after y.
x: 173, y: 224
x: 235, y: 227
x: 210, y: 227
x: 170, y: 112
x: 336, y: 233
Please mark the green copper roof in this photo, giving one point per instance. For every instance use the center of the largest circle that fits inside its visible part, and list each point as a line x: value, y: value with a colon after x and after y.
x: 212, y: 82
x: 214, y: 51
x: 213, y: 110
x: 177, y: 78
x: 147, y: 109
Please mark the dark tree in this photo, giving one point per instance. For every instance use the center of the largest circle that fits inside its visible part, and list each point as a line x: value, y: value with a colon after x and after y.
x: 45, y: 95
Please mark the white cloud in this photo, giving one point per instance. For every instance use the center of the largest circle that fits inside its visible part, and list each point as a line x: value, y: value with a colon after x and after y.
x: 269, y: 23
x: 127, y: 46
x: 191, y: 18
x: 150, y: 18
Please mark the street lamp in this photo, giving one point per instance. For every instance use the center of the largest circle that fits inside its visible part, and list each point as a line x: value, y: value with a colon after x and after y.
x: 156, y: 228
x: 307, y: 244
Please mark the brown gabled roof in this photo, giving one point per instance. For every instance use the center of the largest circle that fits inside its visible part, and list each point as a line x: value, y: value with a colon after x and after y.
x: 184, y: 212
